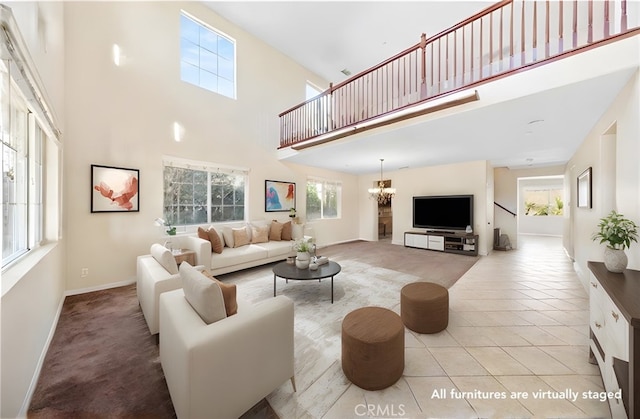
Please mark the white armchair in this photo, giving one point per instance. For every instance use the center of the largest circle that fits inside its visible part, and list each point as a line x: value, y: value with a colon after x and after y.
x: 222, y: 369
x: 156, y: 273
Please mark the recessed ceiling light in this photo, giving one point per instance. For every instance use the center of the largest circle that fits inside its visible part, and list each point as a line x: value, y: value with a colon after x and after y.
x: 345, y: 72
x: 535, y: 121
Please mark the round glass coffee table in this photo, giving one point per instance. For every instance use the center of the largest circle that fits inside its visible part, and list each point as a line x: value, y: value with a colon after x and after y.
x: 290, y: 271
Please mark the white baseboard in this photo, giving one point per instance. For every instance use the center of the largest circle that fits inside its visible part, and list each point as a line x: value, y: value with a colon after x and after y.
x: 100, y: 287
x: 36, y: 374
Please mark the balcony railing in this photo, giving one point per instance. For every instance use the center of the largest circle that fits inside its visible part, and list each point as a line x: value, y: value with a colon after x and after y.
x: 505, y: 38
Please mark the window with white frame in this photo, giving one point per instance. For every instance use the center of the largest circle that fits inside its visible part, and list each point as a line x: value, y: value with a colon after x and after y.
x: 22, y: 142
x: 543, y: 201
x: 324, y: 199
x: 207, y: 57
x: 200, y: 192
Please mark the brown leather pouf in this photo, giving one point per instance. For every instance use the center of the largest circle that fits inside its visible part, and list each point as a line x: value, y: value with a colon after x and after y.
x: 372, y: 347
x: 424, y: 307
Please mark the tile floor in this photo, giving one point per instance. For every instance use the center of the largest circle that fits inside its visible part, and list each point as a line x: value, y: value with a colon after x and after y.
x: 518, y: 327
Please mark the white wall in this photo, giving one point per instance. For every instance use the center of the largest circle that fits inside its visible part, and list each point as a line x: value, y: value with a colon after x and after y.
x: 620, y: 193
x: 31, y: 303
x: 122, y: 116
x: 452, y: 179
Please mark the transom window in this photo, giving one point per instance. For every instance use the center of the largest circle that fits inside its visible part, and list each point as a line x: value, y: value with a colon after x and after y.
x: 199, y: 193
x: 207, y: 57
x: 324, y: 199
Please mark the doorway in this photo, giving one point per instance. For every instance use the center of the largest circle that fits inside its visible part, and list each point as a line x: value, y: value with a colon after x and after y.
x: 385, y: 216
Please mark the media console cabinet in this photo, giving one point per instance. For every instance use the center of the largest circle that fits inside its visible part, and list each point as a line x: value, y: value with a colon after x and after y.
x: 463, y: 244
x: 614, y: 326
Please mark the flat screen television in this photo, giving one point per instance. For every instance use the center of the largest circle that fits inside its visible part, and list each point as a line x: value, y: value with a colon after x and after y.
x: 448, y: 212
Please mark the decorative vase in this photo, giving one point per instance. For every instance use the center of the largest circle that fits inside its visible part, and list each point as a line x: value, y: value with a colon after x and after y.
x: 302, y: 260
x: 615, y: 260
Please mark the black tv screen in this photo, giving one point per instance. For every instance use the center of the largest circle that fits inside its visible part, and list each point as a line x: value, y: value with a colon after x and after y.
x: 451, y: 212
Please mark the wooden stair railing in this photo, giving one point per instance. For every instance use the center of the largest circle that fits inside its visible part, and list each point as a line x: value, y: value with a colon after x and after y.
x: 507, y: 37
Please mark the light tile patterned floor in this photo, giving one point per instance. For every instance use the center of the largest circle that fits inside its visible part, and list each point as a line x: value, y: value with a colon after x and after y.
x: 518, y: 326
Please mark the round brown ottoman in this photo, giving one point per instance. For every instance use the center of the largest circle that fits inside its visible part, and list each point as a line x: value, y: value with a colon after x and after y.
x: 424, y: 307
x: 372, y: 347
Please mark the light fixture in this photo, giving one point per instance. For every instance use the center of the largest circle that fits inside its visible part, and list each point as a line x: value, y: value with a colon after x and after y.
x: 382, y: 194
x: 178, y: 132
x: 117, y: 55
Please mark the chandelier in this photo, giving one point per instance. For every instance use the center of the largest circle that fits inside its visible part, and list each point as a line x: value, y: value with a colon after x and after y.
x: 382, y: 194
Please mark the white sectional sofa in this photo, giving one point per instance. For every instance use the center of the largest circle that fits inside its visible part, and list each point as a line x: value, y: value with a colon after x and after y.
x: 236, y: 258
x: 158, y: 272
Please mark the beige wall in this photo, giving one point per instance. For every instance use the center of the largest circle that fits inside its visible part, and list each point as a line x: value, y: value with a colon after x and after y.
x: 615, y: 185
x: 452, y: 179
x: 33, y: 290
x: 122, y: 116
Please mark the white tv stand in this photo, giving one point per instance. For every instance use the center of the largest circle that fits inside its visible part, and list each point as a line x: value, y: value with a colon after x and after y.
x: 443, y: 241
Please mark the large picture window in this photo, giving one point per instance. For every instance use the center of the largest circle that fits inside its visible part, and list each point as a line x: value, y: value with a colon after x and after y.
x: 200, y: 193
x: 324, y: 199
x: 207, y: 57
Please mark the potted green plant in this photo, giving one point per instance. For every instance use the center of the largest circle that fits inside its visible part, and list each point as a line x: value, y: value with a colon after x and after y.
x: 302, y: 248
x: 618, y: 233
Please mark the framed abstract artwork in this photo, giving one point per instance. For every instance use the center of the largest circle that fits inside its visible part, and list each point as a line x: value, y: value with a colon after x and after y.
x: 279, y: 196
x: 114, y: 189
x: 584, y: 189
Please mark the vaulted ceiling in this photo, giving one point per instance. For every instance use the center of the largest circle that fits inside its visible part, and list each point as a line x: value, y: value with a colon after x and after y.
x: 536, y: 118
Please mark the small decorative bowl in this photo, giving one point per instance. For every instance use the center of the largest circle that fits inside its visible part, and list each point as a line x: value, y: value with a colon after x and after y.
x: 291, y: 260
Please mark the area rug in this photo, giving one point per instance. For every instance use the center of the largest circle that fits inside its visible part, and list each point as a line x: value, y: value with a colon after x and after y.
x: 319, y: 377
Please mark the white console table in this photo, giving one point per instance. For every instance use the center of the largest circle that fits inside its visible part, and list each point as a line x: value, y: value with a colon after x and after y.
x: 614, y: 322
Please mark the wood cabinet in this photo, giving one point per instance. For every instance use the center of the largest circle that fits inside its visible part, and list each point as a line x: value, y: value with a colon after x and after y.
x: 464, y: 244
x: 614, y: 323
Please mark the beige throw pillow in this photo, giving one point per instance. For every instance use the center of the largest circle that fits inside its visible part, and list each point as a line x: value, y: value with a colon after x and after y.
x: 227, y: 233
x: 212, y: 236
x: 275, y: 233
x: 228, y: 293
x: 259, y: 234
x: 204, y: 295
x: 240, y: 237
x: 203, y: 234
x: 217, y: 245
x: 287, y: 231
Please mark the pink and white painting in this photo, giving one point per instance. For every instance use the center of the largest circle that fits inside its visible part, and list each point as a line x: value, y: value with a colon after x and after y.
x: 114, y: 189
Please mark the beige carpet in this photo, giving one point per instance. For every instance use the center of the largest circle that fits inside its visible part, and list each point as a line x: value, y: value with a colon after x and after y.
x: 363, y: 281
